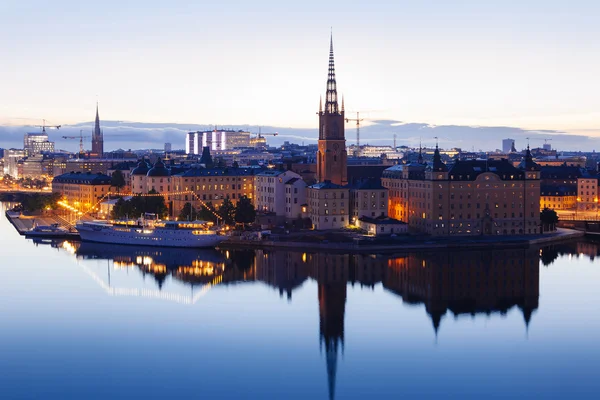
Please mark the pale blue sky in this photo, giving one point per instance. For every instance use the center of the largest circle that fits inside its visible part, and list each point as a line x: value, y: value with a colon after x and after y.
x: 532, y: 64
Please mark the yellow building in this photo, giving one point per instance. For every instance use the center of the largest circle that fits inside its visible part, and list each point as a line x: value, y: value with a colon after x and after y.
x: 557, y: 199
x: 82, y: 190
x: 473, y: 197
x: 211, y: 185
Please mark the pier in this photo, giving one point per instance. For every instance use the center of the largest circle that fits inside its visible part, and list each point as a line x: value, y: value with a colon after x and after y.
x: 24, y: 223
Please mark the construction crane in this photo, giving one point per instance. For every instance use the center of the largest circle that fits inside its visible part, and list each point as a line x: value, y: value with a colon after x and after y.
x: 80, y: 137
x: 259, y: 134
x: 357, y: 120
x: 44, y: 126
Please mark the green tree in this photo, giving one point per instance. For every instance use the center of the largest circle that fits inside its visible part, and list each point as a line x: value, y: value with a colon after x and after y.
x: 549, y: 219
x: 140, y: 205
x: 227, y: 211
x: 244, y: 211
x: 188, y: 213
x: 207, y: 212
x: 117, y: 179
x: 155, y: 204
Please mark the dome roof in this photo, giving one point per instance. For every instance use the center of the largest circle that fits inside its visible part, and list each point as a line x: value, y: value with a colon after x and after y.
x: 141, y: 169
x: 159, y: 169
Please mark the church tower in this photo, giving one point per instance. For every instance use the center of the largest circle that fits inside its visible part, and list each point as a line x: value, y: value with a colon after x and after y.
x: 97, y: 138
x: 332, y: 156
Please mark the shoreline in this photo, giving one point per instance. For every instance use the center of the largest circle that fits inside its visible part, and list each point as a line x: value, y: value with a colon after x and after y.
x: 430, y: 243
x: 561, y: 235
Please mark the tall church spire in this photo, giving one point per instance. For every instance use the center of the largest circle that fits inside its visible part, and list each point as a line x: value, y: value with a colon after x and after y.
x: 97, y: 138
x: 97, y: 125
x: 331, y: 100
x: 332, y: 156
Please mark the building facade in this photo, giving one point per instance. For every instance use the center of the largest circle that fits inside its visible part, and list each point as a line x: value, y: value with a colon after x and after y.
x: 211, y: 185
x: 328, y: 205
x: 474, y: 197
x: 11, y: 162
x: 220, y: 140
x: 82, y: 190
x: 270, y: 192
x: 368, y: 199
x: 37, y: 143
x: 559, y: 187
x: 587, y: 193
x: 146, y: 177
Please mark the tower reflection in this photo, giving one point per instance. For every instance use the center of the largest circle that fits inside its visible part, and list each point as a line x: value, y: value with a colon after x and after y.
x: 475, y: 282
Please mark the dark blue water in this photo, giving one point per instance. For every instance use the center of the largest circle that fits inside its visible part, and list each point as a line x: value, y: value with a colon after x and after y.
x: 95, y: 321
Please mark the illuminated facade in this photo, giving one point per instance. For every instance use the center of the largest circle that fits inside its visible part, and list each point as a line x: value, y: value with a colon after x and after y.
x: 212, y: 185
x: 220, y: 140
x: 37, y: 143
x: 559, y: 187
x: 83, y: 190
x: 587, y: 193
x: 473, y: 197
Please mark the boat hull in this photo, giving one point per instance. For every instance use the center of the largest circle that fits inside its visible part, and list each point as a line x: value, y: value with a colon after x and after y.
x: 142, y: 237
x: 52, y: 235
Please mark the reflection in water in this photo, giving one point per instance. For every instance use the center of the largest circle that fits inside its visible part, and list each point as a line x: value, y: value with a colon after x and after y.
x: 476, y: 282
x: 480, y: 282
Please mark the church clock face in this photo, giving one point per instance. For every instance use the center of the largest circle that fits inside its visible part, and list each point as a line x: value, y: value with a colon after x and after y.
x: 336, y: 146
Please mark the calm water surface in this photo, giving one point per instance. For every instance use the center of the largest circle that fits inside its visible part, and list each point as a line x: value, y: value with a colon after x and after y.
x: 95, y: 321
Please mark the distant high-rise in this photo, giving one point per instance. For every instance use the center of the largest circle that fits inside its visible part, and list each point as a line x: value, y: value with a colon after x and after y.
x: 97, y: 138
x: 216, y: 140
x: 37, y: 143
x: 168, y: 147
x: 507, y: 145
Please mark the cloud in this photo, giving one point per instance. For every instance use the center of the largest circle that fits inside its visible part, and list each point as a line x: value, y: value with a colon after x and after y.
x: 139, y: 135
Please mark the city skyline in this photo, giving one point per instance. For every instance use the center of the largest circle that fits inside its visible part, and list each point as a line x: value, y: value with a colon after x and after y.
x: 155, y: 64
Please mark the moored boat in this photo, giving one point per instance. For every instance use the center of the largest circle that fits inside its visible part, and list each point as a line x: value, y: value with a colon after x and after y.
x: 49, y: 231
x: 152, y: 233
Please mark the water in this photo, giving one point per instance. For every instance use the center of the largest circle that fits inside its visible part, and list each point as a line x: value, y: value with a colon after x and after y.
x: 97, y: 321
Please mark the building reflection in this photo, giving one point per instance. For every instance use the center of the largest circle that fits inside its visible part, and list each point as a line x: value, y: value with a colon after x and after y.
x: 475, y: 282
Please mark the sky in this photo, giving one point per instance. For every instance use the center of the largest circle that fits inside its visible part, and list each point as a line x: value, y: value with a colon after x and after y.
x: 528, y: 64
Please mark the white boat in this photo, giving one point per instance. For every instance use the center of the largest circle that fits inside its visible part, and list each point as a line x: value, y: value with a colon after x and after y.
x: 151, y: 233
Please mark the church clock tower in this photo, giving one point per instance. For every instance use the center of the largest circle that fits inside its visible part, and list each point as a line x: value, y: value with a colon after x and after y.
x: 332, y: 156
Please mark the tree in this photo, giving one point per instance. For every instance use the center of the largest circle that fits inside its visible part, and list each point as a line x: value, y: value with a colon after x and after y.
x: 549, y: 219
x: 236, y: 164
x: 244, y: 211
x: 207, y: 212
x: 139, y: 205
x: 188, y: 213
x: 155, y: 205
x: 118, y: 180
x: 227, y: 211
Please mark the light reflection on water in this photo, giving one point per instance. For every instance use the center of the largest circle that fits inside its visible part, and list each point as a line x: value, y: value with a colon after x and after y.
x: 92, y: 320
